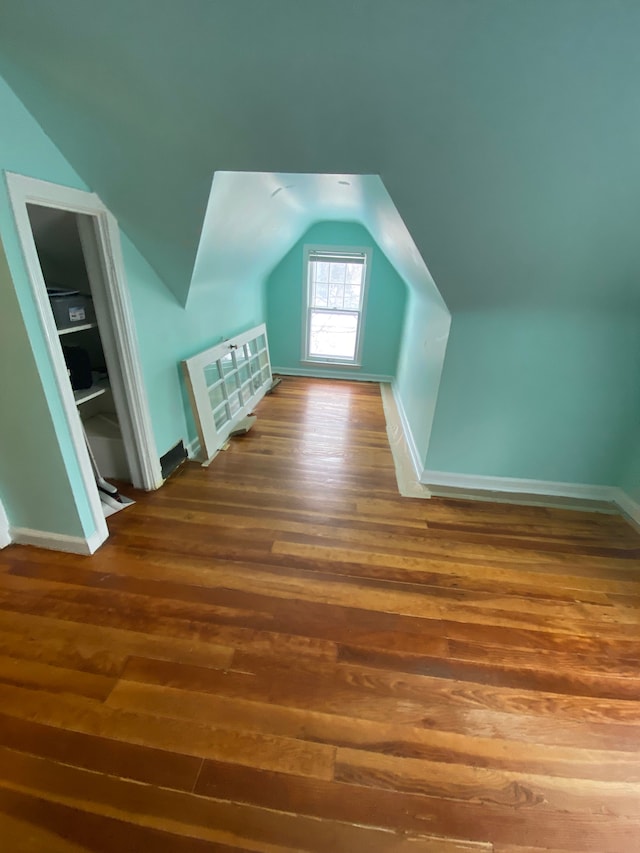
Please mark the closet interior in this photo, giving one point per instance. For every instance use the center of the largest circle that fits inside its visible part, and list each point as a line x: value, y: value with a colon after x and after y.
x: 82, y: 333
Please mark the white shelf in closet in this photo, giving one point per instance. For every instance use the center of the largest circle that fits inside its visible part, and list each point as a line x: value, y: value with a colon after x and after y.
x: 81, y: 328
x: 86, y: 394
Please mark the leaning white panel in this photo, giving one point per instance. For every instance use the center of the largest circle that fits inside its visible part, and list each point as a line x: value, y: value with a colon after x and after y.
x: 225, y: 382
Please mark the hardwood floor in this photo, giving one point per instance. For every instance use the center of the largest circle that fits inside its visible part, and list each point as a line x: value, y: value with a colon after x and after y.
x: 279, y: 653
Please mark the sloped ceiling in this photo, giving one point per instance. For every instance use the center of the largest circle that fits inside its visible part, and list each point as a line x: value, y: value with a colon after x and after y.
x: 254, y: 218
x: 506, y: 131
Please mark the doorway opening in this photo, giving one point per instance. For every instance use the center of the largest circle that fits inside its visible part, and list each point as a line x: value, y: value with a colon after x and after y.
x: 71, y: 246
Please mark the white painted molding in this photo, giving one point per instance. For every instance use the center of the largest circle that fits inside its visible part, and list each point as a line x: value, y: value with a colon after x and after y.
x: 408, y: 435
x: 194, y: 449
x: 514, y: 485
x: 146, y: 471
x: 5, y: 531
x: 627, y: 506
x: 57, y: 541
x: 347, y: 372
x: 409, y: 484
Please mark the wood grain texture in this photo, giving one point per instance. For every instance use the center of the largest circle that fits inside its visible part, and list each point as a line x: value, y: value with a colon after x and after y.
x: 279, y: 653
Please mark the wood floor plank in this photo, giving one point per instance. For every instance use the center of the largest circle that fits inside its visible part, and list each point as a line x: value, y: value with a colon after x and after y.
x: 588, y: 832
x: 195, y: 818
x: 388, y: 738
x: 278, y: 653
x: 197, y: 739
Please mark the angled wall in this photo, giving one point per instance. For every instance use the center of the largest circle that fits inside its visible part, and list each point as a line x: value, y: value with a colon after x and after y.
x: 385, y: 307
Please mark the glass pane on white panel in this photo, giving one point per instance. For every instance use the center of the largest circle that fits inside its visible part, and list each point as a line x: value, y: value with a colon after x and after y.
x: 211, y: 373
x: 231, y: 383
x: 221, y: 416
x: 333, y: 335
x: 241, y: 357
x: 252, y: 347
x: 235, y: 403
x: 243, y: 373
x: 263, y: 359
x: 226, y: 363
x: 262, y: 342
x: 216, y: 395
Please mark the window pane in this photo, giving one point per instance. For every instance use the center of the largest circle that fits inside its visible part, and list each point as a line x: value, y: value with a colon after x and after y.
x: 336, y: 295
x: 321, y: 293
x: 352, y: 296
x: 354, y: 273
x: 337, y: 273
x: 333, y: 335
x: 319, y: 271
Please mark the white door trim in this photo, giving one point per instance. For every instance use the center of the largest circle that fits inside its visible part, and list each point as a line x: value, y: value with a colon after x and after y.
x: 22, y: 191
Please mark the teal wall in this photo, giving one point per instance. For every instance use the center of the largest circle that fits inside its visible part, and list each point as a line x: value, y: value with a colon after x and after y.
x: 629, y: 477
x: 168, y: 333
x: 540, y: 395
x: 385, y: 310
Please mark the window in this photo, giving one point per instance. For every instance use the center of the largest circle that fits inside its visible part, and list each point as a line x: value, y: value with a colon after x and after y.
x: 335, y: 290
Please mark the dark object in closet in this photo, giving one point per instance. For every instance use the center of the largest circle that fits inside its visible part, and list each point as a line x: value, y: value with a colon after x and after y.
x: 70, y: 308
x: 79, y: 367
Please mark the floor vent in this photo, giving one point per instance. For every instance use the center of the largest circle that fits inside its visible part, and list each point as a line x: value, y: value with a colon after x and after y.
x: 173, y: 459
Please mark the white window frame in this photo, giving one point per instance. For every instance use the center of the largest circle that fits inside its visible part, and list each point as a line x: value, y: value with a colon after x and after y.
x: 310, y: 250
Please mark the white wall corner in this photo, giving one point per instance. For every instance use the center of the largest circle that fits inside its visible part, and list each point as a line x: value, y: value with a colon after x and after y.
x: 5, y: 530
x: 58, y: 541
x: 416, y: 461
x: 194, y: 449
x: 627, y: 506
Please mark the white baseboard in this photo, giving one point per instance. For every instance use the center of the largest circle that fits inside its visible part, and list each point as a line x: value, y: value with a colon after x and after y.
x: 515, y: 486
x: 627, y: 506
x: 57, y: 541
x: 408, y: 435
x: 351, y: 374
x: 409, y: 484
